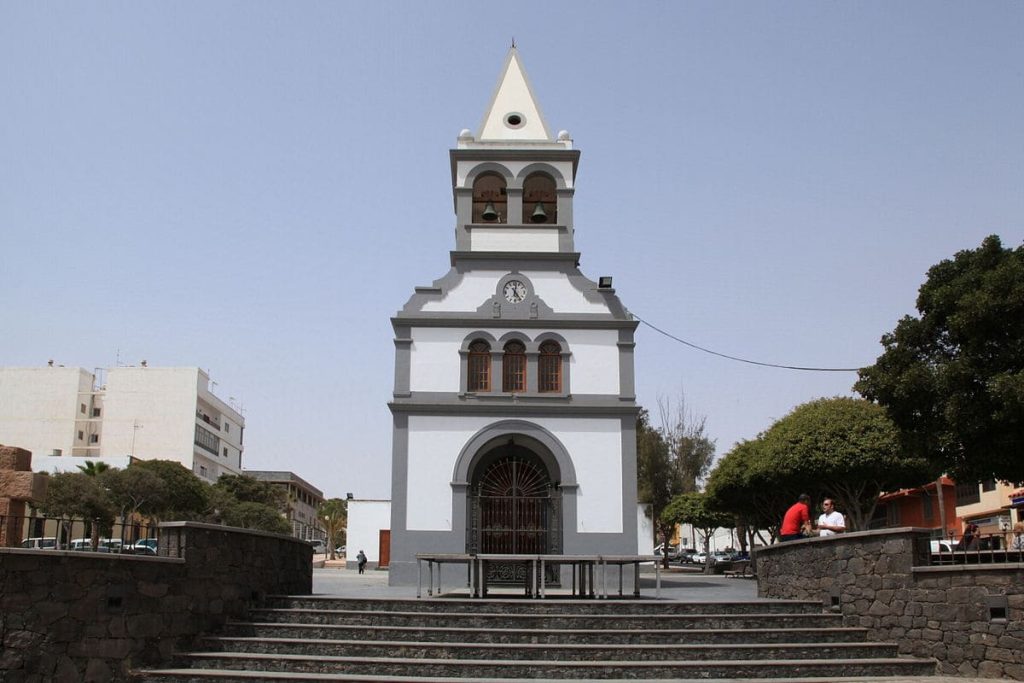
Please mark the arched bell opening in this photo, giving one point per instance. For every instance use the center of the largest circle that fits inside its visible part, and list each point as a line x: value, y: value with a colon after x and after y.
x: 490, y: 199
x: 540, y: 203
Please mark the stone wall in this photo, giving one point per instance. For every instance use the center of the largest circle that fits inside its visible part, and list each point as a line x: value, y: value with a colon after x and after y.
x: 79, y: 616
x: 970, y: 618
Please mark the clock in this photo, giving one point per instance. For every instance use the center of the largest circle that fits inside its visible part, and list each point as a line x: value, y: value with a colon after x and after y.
x: 515, y: 291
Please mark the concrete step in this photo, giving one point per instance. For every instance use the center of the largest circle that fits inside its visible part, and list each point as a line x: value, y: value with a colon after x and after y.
x: 497, y: 620
x: 480, y: 669
x: 558, y: 652
x: 547, y: 606
x: 551, y: 636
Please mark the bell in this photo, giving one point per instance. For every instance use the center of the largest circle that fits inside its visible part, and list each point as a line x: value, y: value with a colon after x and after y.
x: 489, y: 213
x: 539, y: 215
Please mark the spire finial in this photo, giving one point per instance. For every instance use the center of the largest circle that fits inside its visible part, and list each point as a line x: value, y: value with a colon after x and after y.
x: 513, y: 42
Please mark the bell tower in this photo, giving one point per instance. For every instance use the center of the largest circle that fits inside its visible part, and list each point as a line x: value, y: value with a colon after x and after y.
x: 512, y: 181
x: 514, y: 415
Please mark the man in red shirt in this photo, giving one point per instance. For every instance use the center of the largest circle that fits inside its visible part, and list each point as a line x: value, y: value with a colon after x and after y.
x: 798, y: 516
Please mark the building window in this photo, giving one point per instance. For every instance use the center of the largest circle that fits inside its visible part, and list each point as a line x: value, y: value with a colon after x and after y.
x: 927, y: 509
x: 81, y: 435
x: 202, y: 470
x: 227, y: 427
x: 550, y: 367
x: 94, y: 438
x: 82, y: 409
x: 988, y: 485
x: 95, y: 412
x: 207, y: 440
x: 539, y: 200
x: 967, y: 493
x: 479, y: 366
x: 513, y: 378
x: 225, y: 451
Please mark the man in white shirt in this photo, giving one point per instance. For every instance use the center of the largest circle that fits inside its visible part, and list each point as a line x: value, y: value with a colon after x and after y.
x: 830, y: 522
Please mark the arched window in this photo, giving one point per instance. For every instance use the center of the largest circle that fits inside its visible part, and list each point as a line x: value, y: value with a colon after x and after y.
x: 490, y: 202
x: 549, y: 368
x: 540, y: 204
x: 514, y: 368
x: 479, y: 377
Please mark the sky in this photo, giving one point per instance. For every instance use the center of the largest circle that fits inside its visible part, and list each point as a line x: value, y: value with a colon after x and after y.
x: 255, y: 188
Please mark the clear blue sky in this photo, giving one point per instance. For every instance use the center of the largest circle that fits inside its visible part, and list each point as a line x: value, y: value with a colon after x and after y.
x: 255, y: 188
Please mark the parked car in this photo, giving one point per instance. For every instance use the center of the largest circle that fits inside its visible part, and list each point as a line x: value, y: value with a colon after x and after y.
x: 144, y: 546
x: 40, y: 543
x: 698, y: 558
x: 319, y: 547
x: 673, y: 551
x: 721, y: 557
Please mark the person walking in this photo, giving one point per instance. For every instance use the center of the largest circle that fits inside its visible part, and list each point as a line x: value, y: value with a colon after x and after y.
x: 797, y: 519
x: 830, y: 522
x: 361, y: 559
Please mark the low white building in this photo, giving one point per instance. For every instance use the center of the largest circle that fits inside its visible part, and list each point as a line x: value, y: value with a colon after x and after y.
x: 141, y: 412
x: 369, y: 530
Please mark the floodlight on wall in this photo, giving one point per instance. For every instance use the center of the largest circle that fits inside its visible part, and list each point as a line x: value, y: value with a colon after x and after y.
x: 604, y: 282
x: 349, y: 496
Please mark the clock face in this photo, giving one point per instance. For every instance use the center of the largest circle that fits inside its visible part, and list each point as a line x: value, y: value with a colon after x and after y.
x: 515, y: 291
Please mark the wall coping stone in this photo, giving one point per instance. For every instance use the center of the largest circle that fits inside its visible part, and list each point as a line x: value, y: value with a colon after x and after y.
x: 230, y: 529
x: 970, y: 568
x: 90, y: 555
x: 853, y: 535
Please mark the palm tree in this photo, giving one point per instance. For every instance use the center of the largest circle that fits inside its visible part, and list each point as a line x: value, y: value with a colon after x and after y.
x: 334, y: 515
x: 92, y: 469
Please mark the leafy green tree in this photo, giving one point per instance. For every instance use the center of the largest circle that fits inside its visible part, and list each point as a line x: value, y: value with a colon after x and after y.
x: 694, y: 509
x: 187, y: 496
x: 74, y: 495
x: 952, y: 378
x: 745, y: 484
x: 251, y: 515
x: 248, y: 503
x: 248, y: 489
x: 334, y: 514
x: 134, y: 491
x: 845, y: 448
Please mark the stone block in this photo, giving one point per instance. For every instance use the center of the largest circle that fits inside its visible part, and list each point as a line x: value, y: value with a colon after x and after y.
x: 987, y: 669
x: 23, y: 486
x: 999, y: 654
x: 15, y: 459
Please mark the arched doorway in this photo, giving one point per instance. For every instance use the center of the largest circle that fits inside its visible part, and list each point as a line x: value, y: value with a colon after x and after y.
x: 514, y: 508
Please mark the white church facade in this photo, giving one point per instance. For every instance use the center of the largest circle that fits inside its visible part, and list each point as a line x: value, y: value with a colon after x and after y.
x: 513, y: 409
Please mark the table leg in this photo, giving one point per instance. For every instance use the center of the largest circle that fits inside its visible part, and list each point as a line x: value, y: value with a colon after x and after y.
x: 419, y: 577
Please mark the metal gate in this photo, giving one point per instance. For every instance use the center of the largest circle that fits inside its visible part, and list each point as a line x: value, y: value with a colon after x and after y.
x: 514, y: 509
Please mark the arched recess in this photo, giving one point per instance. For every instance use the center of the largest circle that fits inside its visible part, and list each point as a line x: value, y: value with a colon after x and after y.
x: 489, y: 183
x: 501, y: 451
x: 540, y: 198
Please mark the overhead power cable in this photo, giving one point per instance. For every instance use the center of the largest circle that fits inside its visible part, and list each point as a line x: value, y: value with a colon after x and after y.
x: 741, y: 360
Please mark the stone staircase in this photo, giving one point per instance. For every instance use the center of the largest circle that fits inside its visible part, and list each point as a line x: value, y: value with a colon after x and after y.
x: 350, y: 639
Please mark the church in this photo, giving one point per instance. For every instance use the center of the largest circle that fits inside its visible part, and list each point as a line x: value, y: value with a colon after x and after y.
x: 514, y: 410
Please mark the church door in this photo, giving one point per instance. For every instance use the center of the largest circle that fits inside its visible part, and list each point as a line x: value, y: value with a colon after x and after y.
x: 514, y: 510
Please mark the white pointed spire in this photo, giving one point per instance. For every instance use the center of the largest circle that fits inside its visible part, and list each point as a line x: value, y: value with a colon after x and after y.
x: 514, y: 113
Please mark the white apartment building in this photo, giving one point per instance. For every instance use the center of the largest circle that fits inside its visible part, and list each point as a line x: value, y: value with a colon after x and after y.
x: 142, y: 412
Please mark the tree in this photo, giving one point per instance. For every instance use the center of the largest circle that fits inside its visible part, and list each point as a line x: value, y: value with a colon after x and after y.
x: 745, y: 484
x: 248, y: 503
x: 187, y: 496
x: 671, y: 459
x: 845, y: 448
x: 93, y: 469
x: 693, y: 509
x: 689, y: 446
x: 334, y: 514
x: 952, y: 379
x: 134, y: 490
x: 657, y: 481
x: 75, y: 495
